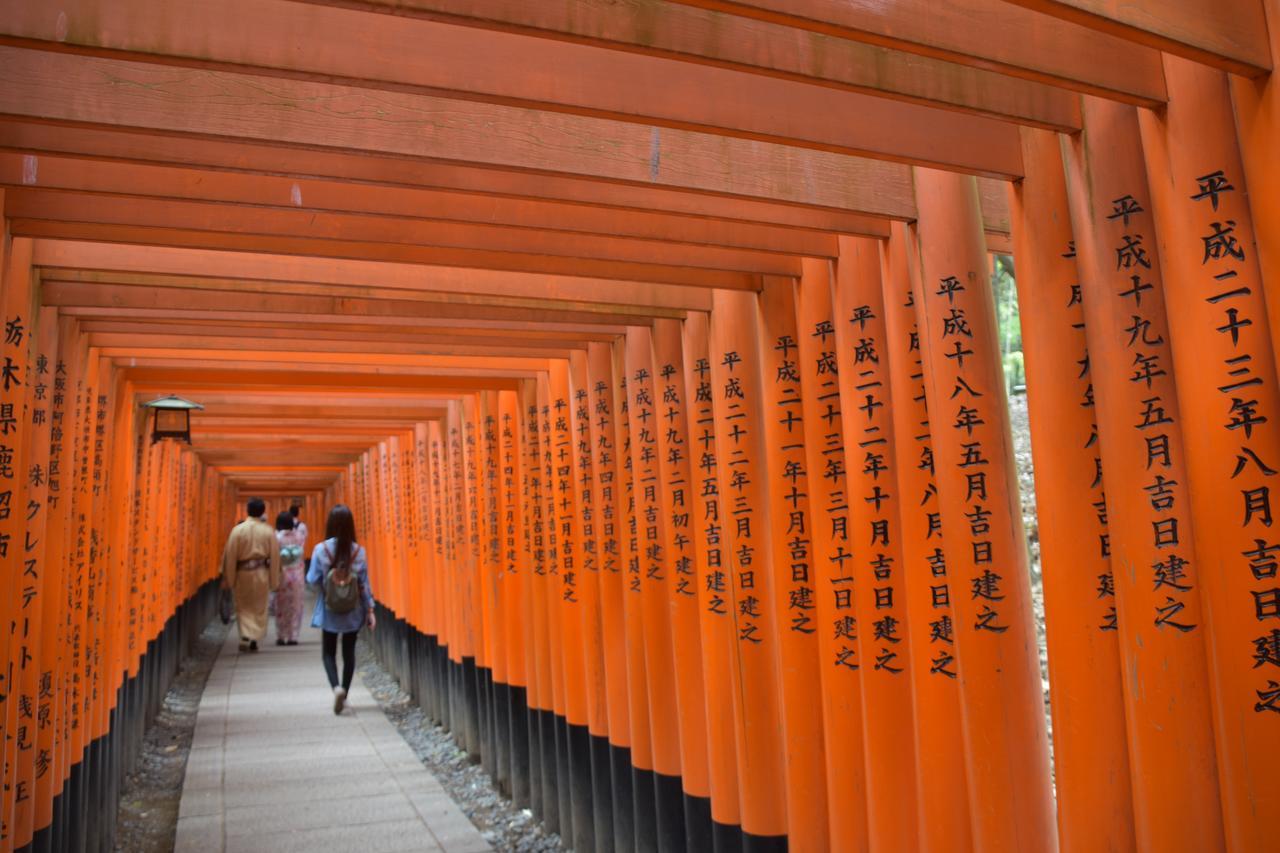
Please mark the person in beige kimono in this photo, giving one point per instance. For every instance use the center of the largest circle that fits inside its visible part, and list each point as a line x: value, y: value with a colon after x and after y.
x: 251, y: 570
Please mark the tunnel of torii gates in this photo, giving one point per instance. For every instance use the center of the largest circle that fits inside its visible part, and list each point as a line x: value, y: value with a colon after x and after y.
x: 653, y: 345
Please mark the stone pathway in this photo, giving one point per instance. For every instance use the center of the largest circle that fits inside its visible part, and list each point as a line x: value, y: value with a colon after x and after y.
x: 273, y: 769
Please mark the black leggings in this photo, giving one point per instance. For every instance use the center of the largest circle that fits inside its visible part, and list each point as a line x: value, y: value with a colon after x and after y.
x: 329, y: 654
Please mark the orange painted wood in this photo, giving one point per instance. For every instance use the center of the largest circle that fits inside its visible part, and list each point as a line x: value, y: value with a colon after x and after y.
x: 260, y: 158
x: 1095, y: 807
x: 611, y: 533
x: 675, y: 489
x: 832, y: 547
x: 860, y: 348
x: 398, y: 253
x: 1029, y: 45
x: 514, y: 556
x: 574, y: 79
x: 734, y: 345
x: 588, y: 557
x: 942, y: 785
x: 461, y: 244
x: 564, y: 598
x: 642, y: 745
x: 47, y: 779
x: 787, y: 527
x: 1257, y: 112
x: 31, y: 588
x: 420, y: 205
x: 716, y: 622
x: 1232, y: 36
x: 1224, y: 360
x: 1000, y: 684
x: 653, y: 569
x: 1161, y: 626
x: 287, y: 268
x: 36, y: 83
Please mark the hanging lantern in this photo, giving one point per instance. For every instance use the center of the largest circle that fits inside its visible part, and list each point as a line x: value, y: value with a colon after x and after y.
x: 172, y: 418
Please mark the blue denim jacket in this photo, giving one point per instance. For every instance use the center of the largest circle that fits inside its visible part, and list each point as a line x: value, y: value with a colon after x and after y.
x: 339, y: 623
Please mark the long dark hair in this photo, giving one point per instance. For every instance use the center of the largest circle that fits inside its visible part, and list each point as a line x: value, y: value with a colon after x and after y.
x: 341, y: 527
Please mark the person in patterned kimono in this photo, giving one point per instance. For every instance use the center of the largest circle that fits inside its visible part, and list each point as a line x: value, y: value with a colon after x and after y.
x: 293, y: 541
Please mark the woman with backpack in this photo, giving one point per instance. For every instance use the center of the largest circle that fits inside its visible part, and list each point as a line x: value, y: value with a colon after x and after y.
x: 345, y: 602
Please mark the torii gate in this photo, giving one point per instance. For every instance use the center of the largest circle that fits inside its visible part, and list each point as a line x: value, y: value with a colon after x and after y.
x: 652, y: 343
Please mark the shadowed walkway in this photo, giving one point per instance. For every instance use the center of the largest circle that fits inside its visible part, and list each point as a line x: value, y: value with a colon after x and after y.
x: 272, y: 768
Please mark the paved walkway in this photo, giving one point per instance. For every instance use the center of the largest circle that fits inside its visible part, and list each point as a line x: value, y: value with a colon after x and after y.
x: 273, y: 769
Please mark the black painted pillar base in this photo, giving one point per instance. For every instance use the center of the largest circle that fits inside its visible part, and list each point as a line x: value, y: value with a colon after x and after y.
x: 624, y: 823
x: 518, y: 725
x: 697, y: 823
x: 669, y: 798
x: 646, y: 810
x: 601, y: 794
x: 582, y: 796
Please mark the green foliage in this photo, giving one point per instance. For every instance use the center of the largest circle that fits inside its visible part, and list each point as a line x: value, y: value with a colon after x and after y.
x: 1009, y: 326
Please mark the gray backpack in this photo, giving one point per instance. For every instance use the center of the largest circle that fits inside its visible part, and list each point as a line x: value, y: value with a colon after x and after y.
x: 341, y: 587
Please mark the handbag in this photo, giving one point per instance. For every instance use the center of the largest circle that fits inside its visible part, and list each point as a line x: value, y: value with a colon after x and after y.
x: 225, y: 606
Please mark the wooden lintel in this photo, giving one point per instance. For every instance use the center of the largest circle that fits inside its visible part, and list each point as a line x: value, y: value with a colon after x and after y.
x: 109, y: 92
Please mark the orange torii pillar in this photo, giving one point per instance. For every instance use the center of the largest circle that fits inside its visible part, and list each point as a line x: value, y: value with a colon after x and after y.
x: 17, y: 302
x: 1006, y: 748
x: 592, y: 763
x: 718, y: 637
x: 546, y: 578
x: 1095, y: 807
x: 32, y: 588
x: 1156, y: 569
x: 570, y: 606
x: 675, y: 491
x: 832, y: 549
x: 876, y: 572
x: 1257, y: 117
x: 1224, y: 361
x: 643, y: 805
x: 644, y: 419
x: 942, y: 787
x: 606, y: 497
x: 734, y: 348
x: 544, y: 801
x: 52, y: 375
x: 553, y: 593
x: 512, y: 583
x: 792, y: 592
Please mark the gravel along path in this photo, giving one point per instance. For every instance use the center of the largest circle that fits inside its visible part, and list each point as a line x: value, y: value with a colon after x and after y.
x: 499, y: 821
x: 148, y: 817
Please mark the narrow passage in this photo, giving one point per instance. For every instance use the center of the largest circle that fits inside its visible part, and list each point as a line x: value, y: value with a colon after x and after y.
x: 272, y: 767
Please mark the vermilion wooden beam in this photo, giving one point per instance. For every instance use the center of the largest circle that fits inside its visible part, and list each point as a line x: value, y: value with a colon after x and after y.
x: 352, y: 323
x: 265, y: 158
x: 321, y: 337
x: 413, y: 204
x: 988, y: 35
x: 154, y: 376
x: 383, y: 276
x: 284, y: 329
x: 139, y: 343
x: 1231, y: 35
x: 110, y: 92
x: 518, y: 248
x: 327, y: 368
x: 468, y: 64
x: 465, y: 259
x: 66, y: 290
x: 645, y: 29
